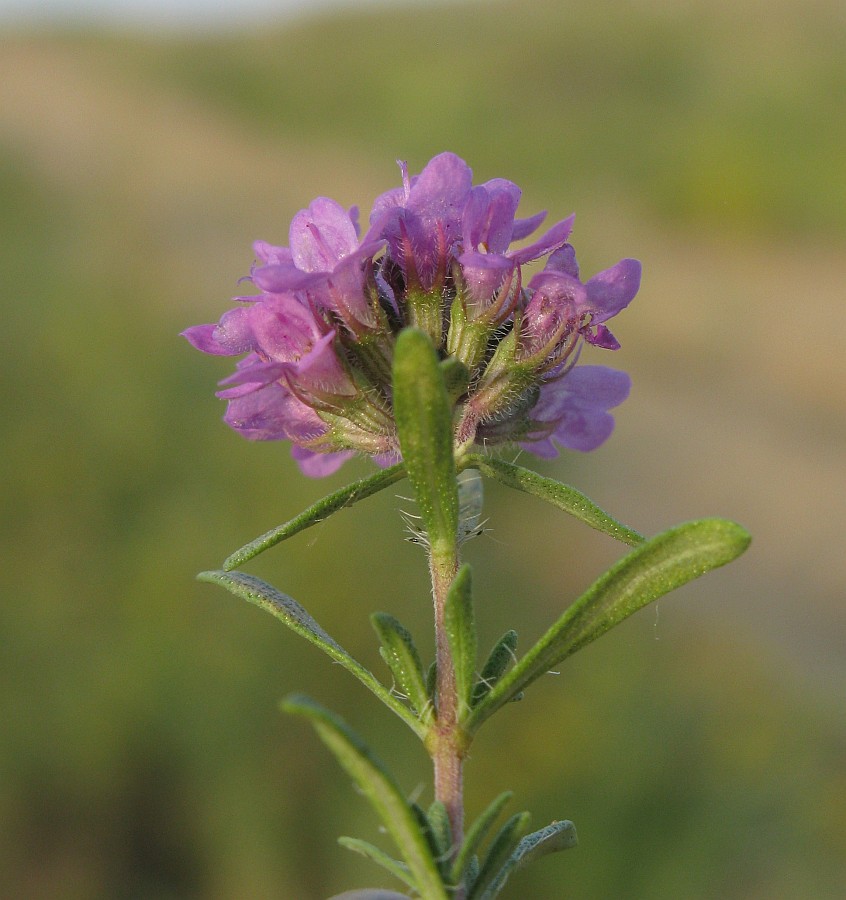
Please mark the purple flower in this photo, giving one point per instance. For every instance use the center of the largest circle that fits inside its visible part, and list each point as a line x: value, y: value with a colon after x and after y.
x: 572, y: 411
x: 421, y: 221
x: 317, y: 339
x: 602, y: 297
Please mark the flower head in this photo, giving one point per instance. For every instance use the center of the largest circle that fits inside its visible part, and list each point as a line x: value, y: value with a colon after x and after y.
x: 317, y: 339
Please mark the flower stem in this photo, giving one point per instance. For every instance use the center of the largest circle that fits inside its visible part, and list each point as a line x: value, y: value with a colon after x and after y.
x: 446, y: 743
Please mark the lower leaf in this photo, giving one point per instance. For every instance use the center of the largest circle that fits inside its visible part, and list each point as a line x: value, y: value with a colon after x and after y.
x: 385, y: 796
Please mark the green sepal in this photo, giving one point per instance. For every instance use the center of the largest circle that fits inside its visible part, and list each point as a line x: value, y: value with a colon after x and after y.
x: 477, y: 832
x: 290, y: 613
x: 559, y: 495
x: 401, y: 656
x: 501, y: 656
x: 460, y: 628
x: 467, y: 340
x: 648, y: 572
x: 321, y: 510
x: 502, y: 846
x: 374, y: 854
x: 456, y: 377
x: 377, y: 784
x: 555, y: 837
x: 424, y: 424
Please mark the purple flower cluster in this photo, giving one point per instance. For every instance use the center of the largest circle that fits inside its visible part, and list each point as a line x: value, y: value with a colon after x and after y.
x: 318, y: 339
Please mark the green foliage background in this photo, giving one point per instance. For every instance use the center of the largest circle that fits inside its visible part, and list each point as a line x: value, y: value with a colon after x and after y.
x: 701, y: 747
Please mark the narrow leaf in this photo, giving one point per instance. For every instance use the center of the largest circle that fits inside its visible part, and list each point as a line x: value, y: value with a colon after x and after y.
x: 374, y: 854
x: 560, y: 495
x: 555, y: 837
x: 401, y: 656
x: 500, y: 657
x: 648, y: 572
x: 346, y: 496
x: 288, y: 611
x: 432, y: 679
x: 424, y: 424
x: 501, y: 848
x: 441, y: 829
x: 381, y: 790
x: 461, y: 634
x: 425, y: 827
x: 477, y: 832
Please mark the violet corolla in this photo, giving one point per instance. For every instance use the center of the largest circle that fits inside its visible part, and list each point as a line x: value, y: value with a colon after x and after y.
x: 317, y: 340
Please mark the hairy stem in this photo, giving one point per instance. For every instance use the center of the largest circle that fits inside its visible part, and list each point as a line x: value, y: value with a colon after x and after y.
x: 446, y: 741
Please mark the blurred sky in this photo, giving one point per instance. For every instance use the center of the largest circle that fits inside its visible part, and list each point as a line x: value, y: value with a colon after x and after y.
x: 189, y: 14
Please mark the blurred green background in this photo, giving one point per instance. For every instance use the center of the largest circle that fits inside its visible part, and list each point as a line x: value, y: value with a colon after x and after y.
x: 701, y: 747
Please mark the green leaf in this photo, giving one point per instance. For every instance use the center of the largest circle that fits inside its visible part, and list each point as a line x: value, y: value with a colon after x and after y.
x: 288, y: 611
x: 376, y: 783
x: 475, y: 835
x: 424, y: 424
x: 560, y: 495
x: 500, y: 657
x: 438, y: 820
x: 346, y: 496
x: 432, y: 679
x: 374, y: 854
x: 401, y: 656
x: 555, y: 837
x: 425, y: 827
x: 461, y: 635
x: 501, y: 848
x: 648, y: 572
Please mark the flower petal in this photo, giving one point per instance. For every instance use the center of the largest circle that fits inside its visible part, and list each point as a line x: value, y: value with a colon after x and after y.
x: 202, y: 337
x: 319, y: 465
x: 273, y: 413
x: 524, y: 227
x: 321, y: 235
x: 612, y: 290
x: 552, y: 240
x: 483, y: 274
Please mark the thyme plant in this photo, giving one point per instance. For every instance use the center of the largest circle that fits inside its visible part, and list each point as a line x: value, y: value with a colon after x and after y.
x: 419, y: 344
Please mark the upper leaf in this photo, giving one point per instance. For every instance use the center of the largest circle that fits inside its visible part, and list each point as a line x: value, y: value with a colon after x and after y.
x: 424, y: 423
x: 653, y: 569
x: 321, y: 510
x: 560, y: 495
